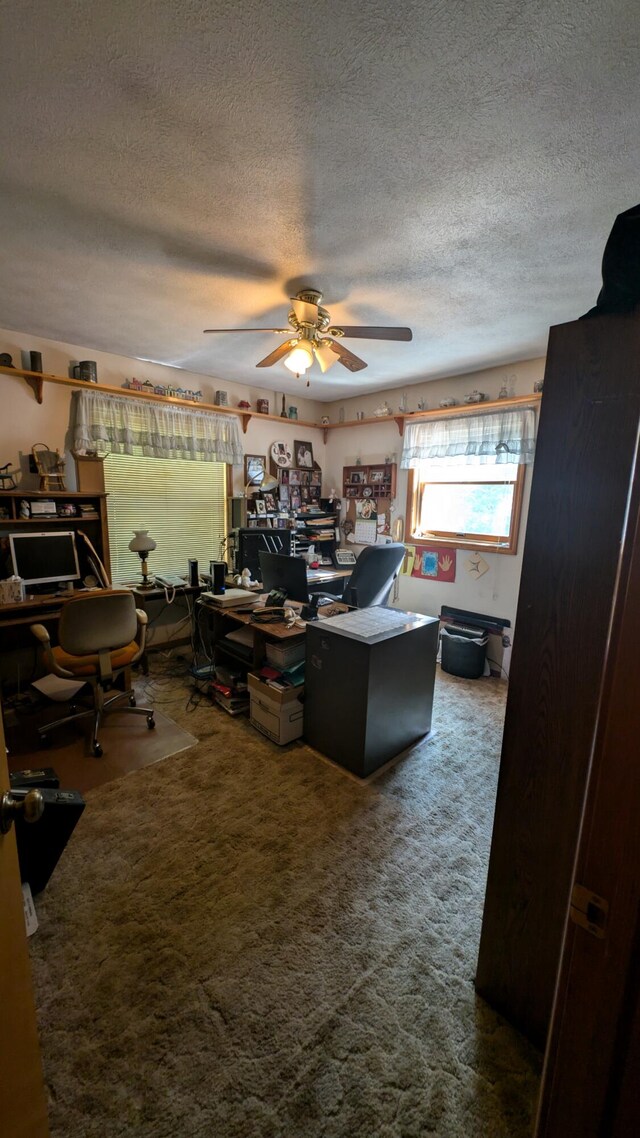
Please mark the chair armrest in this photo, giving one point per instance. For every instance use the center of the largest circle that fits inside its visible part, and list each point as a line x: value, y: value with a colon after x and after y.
x: 141, y: 635
x: 41, y: 634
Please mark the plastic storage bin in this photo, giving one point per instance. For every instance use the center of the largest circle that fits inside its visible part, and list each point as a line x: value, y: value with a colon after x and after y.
x: 464, y: 651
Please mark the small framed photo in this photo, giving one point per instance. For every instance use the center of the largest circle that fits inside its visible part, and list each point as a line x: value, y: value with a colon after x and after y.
x: 261, y: 507
x: 305, y: 477
x: 376, y: 475
x: 269, y: 502
x: 294, y: 477
x: 283, y: 523
x: 303, y: 454
x: 284, y: 477
x: 357, y: 477
x: 254, y: 468
x: 283, y: 495
x: 352, y: 492
x: 304, y: 493
x: 295, y: 498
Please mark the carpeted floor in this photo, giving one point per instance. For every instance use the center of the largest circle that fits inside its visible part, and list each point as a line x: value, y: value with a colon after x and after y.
x: 243, y: 942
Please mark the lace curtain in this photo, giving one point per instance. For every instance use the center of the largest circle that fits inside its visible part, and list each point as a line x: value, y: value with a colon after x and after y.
x: 111, y: 424
x: 471, y: 440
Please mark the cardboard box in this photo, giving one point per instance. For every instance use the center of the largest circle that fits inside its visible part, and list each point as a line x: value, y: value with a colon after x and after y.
x: 277, y: 714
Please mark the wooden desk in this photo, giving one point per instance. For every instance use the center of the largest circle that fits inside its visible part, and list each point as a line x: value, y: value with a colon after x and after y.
x: 158, y: 593
x: 36, y: 609
x: 262, y: 633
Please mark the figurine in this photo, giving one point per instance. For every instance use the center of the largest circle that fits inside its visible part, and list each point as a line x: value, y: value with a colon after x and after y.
x: 449, y: 402
x: 538, y: 386
x: 7, y: 481
x: 383, y: 409
x: 244, y: 405
x: 325, y: 420
x: 503, y: 392
x: 475, y: 397
x: 422, y: 404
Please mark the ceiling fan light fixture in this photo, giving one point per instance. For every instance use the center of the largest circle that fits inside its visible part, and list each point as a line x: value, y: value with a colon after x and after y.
x: 325, y: 355
x: 300, y: 359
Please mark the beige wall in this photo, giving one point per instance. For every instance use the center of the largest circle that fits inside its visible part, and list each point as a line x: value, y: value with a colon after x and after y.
x: 23, y: 422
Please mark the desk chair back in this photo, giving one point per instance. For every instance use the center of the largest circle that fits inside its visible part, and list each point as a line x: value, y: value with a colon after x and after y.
x: 99, y: 622
x: 374, y: 574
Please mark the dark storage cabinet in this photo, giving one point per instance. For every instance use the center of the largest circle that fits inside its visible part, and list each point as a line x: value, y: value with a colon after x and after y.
x: 366, y: 701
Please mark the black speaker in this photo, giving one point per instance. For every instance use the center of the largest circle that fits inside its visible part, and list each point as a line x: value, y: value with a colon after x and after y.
x: 193, y: 572
x: 40, y: 844
x: 218, y: 570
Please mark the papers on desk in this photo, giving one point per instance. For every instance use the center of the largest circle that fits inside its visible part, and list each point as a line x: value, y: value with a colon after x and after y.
x: 372, y: 624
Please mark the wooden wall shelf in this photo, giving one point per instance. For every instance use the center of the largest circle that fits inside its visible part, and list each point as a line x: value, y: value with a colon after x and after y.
x: 37, y: 380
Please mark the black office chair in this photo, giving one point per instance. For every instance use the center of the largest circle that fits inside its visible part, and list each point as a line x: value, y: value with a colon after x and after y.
x: 372, y: 579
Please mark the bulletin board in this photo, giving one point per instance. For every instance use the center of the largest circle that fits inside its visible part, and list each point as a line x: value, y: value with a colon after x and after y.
x: 369, y: 518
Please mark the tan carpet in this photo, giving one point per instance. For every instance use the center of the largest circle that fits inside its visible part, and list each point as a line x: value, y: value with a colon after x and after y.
x: 243, y: 942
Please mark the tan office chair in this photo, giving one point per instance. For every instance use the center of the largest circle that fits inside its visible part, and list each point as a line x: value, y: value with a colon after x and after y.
x: 100, y: 635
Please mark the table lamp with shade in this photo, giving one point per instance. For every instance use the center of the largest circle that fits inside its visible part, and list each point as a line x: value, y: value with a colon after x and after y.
x: 142, y: 544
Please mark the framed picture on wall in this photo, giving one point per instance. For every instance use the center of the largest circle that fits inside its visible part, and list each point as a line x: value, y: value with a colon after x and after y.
x: 254, y: 468
x: 303, y: 454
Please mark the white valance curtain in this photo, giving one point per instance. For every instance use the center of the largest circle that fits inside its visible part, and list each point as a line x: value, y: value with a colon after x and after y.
x: 471, y: 440
x: 118, y: 425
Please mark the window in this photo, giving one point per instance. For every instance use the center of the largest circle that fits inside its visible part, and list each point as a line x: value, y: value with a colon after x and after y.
x: 181, y: 503
x: 459, y: 505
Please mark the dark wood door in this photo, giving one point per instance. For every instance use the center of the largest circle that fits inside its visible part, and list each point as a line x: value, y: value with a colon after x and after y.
x: 591, y: 1081
x: 583, y: 471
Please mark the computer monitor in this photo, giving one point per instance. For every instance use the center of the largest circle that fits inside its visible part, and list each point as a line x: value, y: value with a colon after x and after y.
x: 42, y: 558
x: 286, y: 573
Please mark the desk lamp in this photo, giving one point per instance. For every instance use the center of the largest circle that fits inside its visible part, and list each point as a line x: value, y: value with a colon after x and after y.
x: 142, y: 544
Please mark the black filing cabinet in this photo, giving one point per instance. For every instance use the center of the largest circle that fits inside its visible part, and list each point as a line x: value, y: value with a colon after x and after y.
x: 369, y: 695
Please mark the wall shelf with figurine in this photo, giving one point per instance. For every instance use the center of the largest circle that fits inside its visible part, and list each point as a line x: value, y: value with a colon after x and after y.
x: 37, y: 380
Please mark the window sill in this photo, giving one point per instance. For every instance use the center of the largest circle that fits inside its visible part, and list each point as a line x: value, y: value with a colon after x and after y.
x: 460, y: 543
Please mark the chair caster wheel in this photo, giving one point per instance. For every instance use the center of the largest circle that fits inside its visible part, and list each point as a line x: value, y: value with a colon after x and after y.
x: 150, y: 722
x: 132, y: 701
x: 97, y: 750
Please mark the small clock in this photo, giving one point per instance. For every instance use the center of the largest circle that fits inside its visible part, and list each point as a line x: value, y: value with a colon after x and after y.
x: 281, y: 454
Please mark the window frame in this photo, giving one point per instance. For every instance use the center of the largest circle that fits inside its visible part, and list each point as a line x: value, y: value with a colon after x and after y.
x: 485, y: 542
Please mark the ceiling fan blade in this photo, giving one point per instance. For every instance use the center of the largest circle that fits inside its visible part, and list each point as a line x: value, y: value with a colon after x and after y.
x: 277, y: 354
x: 325, y: 355
x: 372, y: 333
x: 306, y: 313
x: 347, y: 358
x: 284, y: 331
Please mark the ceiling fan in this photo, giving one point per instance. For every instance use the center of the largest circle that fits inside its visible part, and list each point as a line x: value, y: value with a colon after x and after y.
x: 315, y: 338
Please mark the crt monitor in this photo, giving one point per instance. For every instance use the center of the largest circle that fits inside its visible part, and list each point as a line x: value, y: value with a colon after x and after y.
x: 42, y: 558
x: 286, y: 573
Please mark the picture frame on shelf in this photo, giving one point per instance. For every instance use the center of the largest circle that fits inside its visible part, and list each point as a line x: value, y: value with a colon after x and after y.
x: 304, y: 493
x: 376, y: 475
x: 255, y: 466
x: 261, y: 507
x: 295, y: 498
x: 353, y: 492
x: 269, y: 502
x: 357, y: 477
x: 303, y: 453
x: 283, y: 495
x: 294, y: 477
x: 284, y: 477
x: 305, y: 477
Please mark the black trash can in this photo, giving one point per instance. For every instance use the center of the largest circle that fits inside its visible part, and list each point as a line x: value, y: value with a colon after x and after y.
x: 464, y: 651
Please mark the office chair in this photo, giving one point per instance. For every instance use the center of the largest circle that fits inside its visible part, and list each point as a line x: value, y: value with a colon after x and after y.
x: 373, y: 575
x: 97, y: 635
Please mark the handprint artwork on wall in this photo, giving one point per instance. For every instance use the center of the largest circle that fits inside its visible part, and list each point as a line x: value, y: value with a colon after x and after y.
x: 434, y: 564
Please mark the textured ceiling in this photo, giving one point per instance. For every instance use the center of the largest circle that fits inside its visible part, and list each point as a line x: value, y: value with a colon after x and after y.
x: 170, y: 166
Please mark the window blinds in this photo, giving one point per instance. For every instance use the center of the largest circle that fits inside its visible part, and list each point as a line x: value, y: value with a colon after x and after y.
x: 180, y: 502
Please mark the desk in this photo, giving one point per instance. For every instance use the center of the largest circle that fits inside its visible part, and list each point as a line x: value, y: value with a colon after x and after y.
x: 318, y: 579
x: 220, y: 618
x: 157, y: 593
x: 38, y: 610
